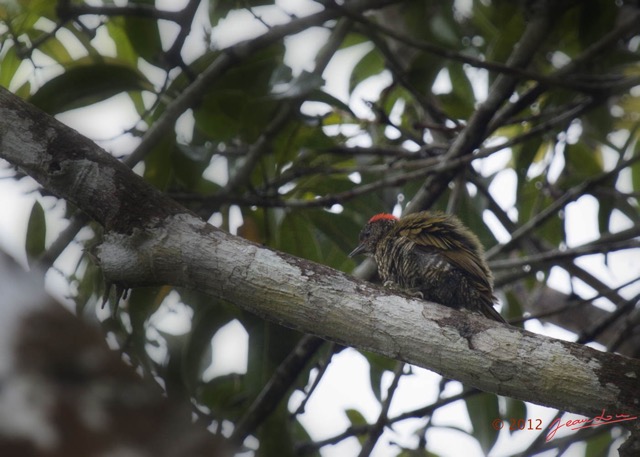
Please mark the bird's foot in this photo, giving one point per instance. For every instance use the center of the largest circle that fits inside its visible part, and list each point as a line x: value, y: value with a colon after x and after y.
x: 415, y: 293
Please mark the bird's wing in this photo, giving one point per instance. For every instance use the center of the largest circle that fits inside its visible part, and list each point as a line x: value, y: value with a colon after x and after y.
x: 453, y: 246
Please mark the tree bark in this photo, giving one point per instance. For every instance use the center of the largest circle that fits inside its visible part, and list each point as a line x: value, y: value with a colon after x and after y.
x: 151, y: 240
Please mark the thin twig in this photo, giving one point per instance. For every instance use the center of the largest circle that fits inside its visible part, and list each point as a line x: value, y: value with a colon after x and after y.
x: 629, y: 23
x: 378, y: 427
x: 626, y: 306
x: 569, y: 196
x: 333, y: 348
x: 535, y: 261
x: 476, y: 130
x: 276, y: 388
x: 67, y: 10
x: 358, y: 430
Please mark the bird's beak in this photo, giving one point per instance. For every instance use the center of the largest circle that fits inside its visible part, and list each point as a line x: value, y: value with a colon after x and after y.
x: 357, y: 250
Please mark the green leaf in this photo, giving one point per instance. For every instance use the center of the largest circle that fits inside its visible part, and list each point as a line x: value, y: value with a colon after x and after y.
x: 56, y: 50
x: 509, y: 25
x: 36, y: 232
x: 300, y: 435
x: 371, y: 64
x: 296, y: 237
x: 141, y: 304
x: 516, y: 409
x: 158, y: 169
x: 470, y: 210
x: 355, y: 417
x: 269, y: 344
x: 581, y: 162
x: 443, y: 30
x: 275, y: 434
x: 423, y: 71
x: 532, y: 198
x: 188, y: 163
x: 321, y: 96
x: 417, y: 453
x: 90, y: 285
x: 524, y: 155
x: 207, y: 320
x: 378, y: 364
x: 124, y: 49
x: 339, y: 228
x: 353, y: 39
x: 23, y: 15
x: 460, y: 102
x: 86, y: 84
x: 225, y: 395
x: 635, y: 169
x: 300, y: 86
x: 9, y: 64
x: 512, y: 309
x: 483, y: 411
x: 598, y: 445
x: 597, y: 18
x: 218, y: 10
x: 240, y: 104
x: 144, y: 36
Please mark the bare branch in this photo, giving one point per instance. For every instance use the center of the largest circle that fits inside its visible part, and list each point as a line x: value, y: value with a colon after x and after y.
x: 154, y: 241
x: 378, y: 427
x: 277, y: 387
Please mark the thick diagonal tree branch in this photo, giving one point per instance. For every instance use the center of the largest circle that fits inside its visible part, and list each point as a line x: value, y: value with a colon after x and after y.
x: 152, y: 240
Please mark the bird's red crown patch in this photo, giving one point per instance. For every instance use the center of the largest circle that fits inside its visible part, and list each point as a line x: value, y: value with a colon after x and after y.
x: 383, y: 216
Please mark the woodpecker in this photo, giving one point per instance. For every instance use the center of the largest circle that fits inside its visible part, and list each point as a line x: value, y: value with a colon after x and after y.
x: 432, y: 256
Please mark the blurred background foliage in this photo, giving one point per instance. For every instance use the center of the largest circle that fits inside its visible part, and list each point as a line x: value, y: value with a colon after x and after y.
x: 298, y: 158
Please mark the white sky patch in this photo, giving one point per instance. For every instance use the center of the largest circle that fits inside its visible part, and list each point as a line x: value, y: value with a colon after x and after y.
x: 229, y: 351
x: 300, y: 7
x: 303, y: 48
x: 363, y: 93
x: 235, y: 219
x: 216, y: 220
x: 105, y: 122
x: 442, y: 83
x: 16, y: 202
x: 217, y: 171
x: 479, y: 78
x: 557, y: 163
x: 184, y: 126
x: 340, y: 67
x: 496, y: 227
x: 154, y: 74
x: 345, y: 385
x: 581, y: 221
x: 238, y: 25
x: 574, y: 132
x: 173, y: 316
x: 560, y: 279
x: 497, y: 161
x: 502, y: 188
